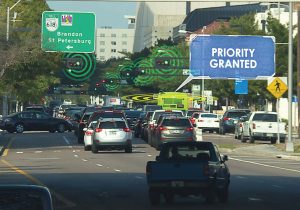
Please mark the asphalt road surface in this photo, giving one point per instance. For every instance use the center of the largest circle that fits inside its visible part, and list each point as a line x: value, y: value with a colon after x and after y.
x: 114, y: 180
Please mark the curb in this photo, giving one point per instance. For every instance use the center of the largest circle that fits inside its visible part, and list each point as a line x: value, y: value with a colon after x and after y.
x: 288, y: 157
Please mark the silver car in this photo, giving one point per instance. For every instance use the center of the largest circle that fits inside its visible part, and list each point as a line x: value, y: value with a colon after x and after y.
x: 88, y: 134
x: 112, y: 134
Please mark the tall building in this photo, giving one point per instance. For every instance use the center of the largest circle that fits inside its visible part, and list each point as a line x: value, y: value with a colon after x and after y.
x: 156, y: 20
x: 110, y: 42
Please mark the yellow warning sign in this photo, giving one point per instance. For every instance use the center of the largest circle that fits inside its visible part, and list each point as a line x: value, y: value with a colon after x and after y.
x: 277, y: 87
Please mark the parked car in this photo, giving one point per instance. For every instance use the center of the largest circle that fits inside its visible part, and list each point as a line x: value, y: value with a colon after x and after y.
x: 188, y: 168
x: 33, y: 121
x: 112, y: 134
x: 230, y: 118
x: 171, y: 129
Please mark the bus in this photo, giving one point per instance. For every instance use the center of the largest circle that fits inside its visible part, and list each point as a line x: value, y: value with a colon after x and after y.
x: 173, y: 101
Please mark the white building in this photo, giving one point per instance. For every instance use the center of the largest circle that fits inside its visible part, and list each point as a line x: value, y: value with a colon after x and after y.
x: 111, y: 41
x: 156, y: 20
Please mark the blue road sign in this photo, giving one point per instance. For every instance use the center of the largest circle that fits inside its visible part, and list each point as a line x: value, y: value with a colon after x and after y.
x: 241, y: 87
x: 232, y: 57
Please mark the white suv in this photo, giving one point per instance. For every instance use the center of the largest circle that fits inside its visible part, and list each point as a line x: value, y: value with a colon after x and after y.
x: 112, y: 133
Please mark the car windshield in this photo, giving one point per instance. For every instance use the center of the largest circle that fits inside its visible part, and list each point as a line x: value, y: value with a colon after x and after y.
x: 209, y: 115
x: 132, y: 114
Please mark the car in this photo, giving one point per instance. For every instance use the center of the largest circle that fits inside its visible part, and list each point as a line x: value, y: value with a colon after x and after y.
x: 132, y: 117
x: 81, y: 125
x: 88, y: 133
x: 156, y: 114
x: 230, y: 118
x: 173, y: 129
x: 33, y: 121
x: 239, y: 127
x: 144, y: 131
x: 190, y: 112
x: 112, y: 134
x: 207, y: 122
x: 139, y: 125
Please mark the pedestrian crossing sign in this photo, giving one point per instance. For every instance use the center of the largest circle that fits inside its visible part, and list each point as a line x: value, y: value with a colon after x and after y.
x: 277, y: 87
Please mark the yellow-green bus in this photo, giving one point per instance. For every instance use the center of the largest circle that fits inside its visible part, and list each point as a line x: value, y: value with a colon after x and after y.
x: 173, y: 100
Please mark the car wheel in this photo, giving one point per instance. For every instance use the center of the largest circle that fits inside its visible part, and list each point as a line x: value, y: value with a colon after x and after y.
x: 211, y: 131
x: 273, y: 141
x: 251, y: 139
x: 61, y: 128
x: 10, y: 131
x: 154, y: 196
x: 243, y: 139
x: 80, y: 140
x: 19, y: 128
x: 223, y: 195
x: 87, y: 148
x: 128, y: 149
x: 52, y: 130
x: 94, y: 149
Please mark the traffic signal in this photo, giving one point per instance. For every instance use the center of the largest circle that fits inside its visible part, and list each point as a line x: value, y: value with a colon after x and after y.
x: 73, y: 63
x: 163, y: 63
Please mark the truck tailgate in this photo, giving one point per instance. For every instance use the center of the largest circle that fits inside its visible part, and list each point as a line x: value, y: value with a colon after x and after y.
x: 172, y: 171
x: 268, y: 127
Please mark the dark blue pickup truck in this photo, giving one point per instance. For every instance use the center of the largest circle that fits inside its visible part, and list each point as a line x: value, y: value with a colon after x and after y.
x: 188, y: 168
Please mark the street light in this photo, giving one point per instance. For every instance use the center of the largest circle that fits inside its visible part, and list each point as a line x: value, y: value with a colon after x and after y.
x: 8, y: 18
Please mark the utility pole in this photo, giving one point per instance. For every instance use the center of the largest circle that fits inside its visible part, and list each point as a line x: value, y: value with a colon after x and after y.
x: 297, y: 6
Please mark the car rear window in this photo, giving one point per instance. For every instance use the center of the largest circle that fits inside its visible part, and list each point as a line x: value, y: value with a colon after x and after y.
x: 236, y: 114
x: 176, y: 114
x: 112, y: 125
x: 132, y: 114
x: 209, y: 115
x: 176, y: 122
x: 97, y: 116
x: 265, y: 117
x: 190, y: 113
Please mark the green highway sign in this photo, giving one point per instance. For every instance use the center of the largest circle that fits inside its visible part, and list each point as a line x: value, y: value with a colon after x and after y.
x: 68, y: 32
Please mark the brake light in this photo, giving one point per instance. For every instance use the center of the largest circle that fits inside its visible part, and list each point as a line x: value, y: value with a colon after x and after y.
x: 161, y: 128
x: 241, y: 125
x: 206, y: 170
x: 226, y: 118
x: 190, y: 129
x: 253, y: 126
x: 151, y: 126
x: 126, y: 129
x: 88, y: 133
x: 98, y: 130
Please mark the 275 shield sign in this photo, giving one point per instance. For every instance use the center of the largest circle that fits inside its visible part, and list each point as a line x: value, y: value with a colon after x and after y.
x: 232, y: 57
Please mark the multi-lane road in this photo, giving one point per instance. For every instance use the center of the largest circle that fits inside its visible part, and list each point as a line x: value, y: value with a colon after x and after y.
x: 115, y: 180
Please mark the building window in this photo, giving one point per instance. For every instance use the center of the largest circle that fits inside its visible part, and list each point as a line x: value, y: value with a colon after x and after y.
x: 132, y: 20
x: 113, y: 43
x: 113, y: 35
x: 102, y: 42
x: 124, y: 43
x: 113, y: 50
x: 102, y: 50
x: 124, y: 35
x: 102, y: 35
x: 124, y: 50
x: 102, y: 58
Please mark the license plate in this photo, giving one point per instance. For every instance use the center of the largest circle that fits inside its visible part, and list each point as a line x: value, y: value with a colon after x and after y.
x: 176, y: 131
x: 177, y: 184
x: 112, y: 132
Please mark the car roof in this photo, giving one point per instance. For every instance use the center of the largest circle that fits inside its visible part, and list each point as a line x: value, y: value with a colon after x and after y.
x: 111, y: 119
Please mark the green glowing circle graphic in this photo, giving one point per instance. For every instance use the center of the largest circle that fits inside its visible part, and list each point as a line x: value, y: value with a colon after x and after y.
x: 145, y: 70
x: 85, y: 71
x: 112, y: 81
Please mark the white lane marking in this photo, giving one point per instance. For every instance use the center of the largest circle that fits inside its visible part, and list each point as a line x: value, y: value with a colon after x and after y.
x: 38, y: 151
x: 277, y: 186
x: 149, y: 155
x: 56, y: 151
x: 139, y: 177
x: 76, y: 156
x: 265, y: 165
x: 74, y: 150
x: 19, y: 152
x: 254, y: 199
x: 99, y: 165
x: 107, y: 167
x: 84, y: 160
x: 117, y: 170
x: 66, y: 140
x: 241, y: 177
x: 41, y: 158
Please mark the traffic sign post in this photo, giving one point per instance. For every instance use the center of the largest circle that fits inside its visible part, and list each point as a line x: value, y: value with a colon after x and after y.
x: 68, y: 32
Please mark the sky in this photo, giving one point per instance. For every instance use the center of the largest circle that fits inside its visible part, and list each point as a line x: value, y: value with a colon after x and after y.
x: 107, y: 14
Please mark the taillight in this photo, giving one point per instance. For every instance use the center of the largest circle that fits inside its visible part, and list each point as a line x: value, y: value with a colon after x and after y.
x: 126, y: 129
x: 98, y: 130
x: 200, y: 120
x: 241, y: 125
x: 253, y: 126
x: 151, y: 126
x: 161, y: 128
x: 226, y: 118
x: 190, y: 129
x: 206, y: 170
x: 88, y: 133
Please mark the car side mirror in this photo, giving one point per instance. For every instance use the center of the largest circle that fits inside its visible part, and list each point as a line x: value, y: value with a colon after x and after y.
x: 35, y: 197
x: 225, y: 158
